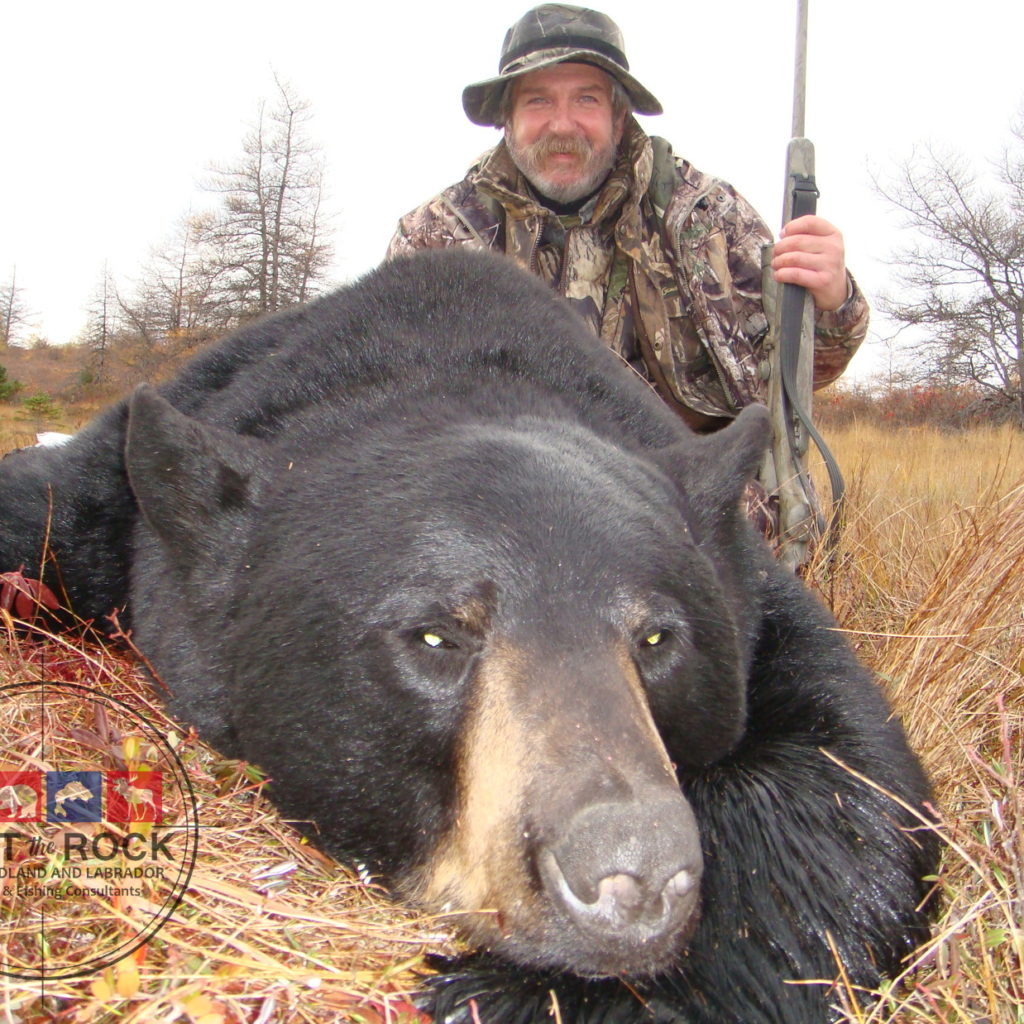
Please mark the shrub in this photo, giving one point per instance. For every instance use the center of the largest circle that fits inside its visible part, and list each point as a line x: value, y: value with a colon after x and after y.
x: 41, y: 406
x: 8, y: 387
x: 914, y: 406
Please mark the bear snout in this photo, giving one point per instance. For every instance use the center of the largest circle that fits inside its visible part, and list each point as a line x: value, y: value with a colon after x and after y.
x: 627, y: 876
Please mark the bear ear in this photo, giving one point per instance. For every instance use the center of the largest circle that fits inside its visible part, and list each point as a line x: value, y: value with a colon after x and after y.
x: 713, y: 470
x: 188, y: 478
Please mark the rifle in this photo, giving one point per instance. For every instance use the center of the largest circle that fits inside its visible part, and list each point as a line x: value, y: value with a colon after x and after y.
x: 789, y: 360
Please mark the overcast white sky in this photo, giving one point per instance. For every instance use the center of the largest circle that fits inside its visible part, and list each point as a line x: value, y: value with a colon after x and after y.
x: 114, y: 111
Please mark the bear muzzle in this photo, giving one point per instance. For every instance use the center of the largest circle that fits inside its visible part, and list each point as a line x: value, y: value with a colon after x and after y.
x: 572, y: 845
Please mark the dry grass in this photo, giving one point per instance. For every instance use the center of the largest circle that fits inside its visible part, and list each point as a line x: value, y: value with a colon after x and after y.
x: 907, y: 489
x: 929, y: 581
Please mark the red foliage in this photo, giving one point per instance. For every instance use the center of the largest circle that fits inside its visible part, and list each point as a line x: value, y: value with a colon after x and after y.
x: 25, y: 596
x: 915, y: 406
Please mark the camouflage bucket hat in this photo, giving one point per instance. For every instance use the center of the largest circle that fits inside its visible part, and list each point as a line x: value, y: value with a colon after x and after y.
x: 553, y: 34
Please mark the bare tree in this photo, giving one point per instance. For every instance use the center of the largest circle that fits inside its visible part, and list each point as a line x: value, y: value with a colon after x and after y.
x: 101, y: 326
x: 13, y: 312
x: 267, y: 243
x: 963, y: 280
x: 264, y: 248
x: 174, y: 307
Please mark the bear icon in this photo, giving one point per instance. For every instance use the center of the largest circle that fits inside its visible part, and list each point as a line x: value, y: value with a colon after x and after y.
x: 493, y: 619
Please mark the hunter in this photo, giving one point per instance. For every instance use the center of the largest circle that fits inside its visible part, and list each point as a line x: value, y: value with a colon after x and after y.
x: 661, y: 259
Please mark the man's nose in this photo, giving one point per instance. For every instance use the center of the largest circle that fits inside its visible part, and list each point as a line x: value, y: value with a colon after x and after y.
x: 562, y: 118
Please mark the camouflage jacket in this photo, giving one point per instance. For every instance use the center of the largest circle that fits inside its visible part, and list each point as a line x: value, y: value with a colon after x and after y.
x: 692, y: 270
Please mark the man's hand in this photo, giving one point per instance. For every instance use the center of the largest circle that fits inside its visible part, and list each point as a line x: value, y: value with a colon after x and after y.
x: 810, y: 253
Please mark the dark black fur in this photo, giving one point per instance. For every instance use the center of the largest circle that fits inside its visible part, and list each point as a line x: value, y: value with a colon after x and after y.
x: 300, y: 509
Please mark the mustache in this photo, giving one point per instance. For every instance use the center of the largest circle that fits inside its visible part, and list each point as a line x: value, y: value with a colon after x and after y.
x: 552, y: 144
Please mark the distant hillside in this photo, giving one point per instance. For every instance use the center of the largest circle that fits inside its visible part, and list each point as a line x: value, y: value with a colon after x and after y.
x: 54, y: 369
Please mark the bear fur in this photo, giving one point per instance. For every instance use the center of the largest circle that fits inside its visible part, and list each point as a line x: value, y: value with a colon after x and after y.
x: 492, y: 618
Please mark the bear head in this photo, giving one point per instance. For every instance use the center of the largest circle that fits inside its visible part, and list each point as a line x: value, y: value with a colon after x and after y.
x: 471, y: 652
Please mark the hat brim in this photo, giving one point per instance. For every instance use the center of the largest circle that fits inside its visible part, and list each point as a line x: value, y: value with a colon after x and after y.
x: 482, y: 100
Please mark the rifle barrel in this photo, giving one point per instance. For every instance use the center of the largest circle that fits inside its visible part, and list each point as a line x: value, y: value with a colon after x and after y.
x: 800, y: 70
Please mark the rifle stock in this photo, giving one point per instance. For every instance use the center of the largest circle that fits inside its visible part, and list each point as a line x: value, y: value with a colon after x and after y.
x: 790, y: 311
x: 791, y: 338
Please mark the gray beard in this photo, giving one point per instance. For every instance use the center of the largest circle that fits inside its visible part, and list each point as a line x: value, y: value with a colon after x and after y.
x: 529, y: 159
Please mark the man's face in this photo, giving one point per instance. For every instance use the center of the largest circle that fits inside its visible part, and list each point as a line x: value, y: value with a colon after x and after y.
x: 561, y: 131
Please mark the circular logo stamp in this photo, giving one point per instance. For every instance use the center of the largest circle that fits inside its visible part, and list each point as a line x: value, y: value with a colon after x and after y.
x: 98, y: 830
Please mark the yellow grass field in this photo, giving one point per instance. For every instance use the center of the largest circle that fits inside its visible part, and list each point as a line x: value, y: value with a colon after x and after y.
x: 928, y: 582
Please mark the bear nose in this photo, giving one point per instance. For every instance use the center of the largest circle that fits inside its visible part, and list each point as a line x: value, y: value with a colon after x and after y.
x: 627, y: 871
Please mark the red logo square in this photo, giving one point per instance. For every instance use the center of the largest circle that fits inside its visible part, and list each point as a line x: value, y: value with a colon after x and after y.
x: 21, y: 796
x: 134, y: 796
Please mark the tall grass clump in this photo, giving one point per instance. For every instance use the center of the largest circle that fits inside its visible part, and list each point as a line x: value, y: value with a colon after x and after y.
x: 929, y: 580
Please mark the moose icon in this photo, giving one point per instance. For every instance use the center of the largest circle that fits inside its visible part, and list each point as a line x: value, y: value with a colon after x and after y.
x: 134, y: 796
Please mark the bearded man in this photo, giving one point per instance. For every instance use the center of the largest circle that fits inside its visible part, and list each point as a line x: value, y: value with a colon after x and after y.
x: 662, y: 260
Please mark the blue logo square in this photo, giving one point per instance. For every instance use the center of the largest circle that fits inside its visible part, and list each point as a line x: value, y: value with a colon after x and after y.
x: 74, y: 796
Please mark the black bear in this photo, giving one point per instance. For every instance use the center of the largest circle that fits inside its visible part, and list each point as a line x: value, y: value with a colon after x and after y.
x: 494, y: 620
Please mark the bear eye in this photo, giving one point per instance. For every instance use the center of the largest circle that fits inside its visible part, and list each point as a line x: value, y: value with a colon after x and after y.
x: 650, y: 638
x: 435, y: 640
